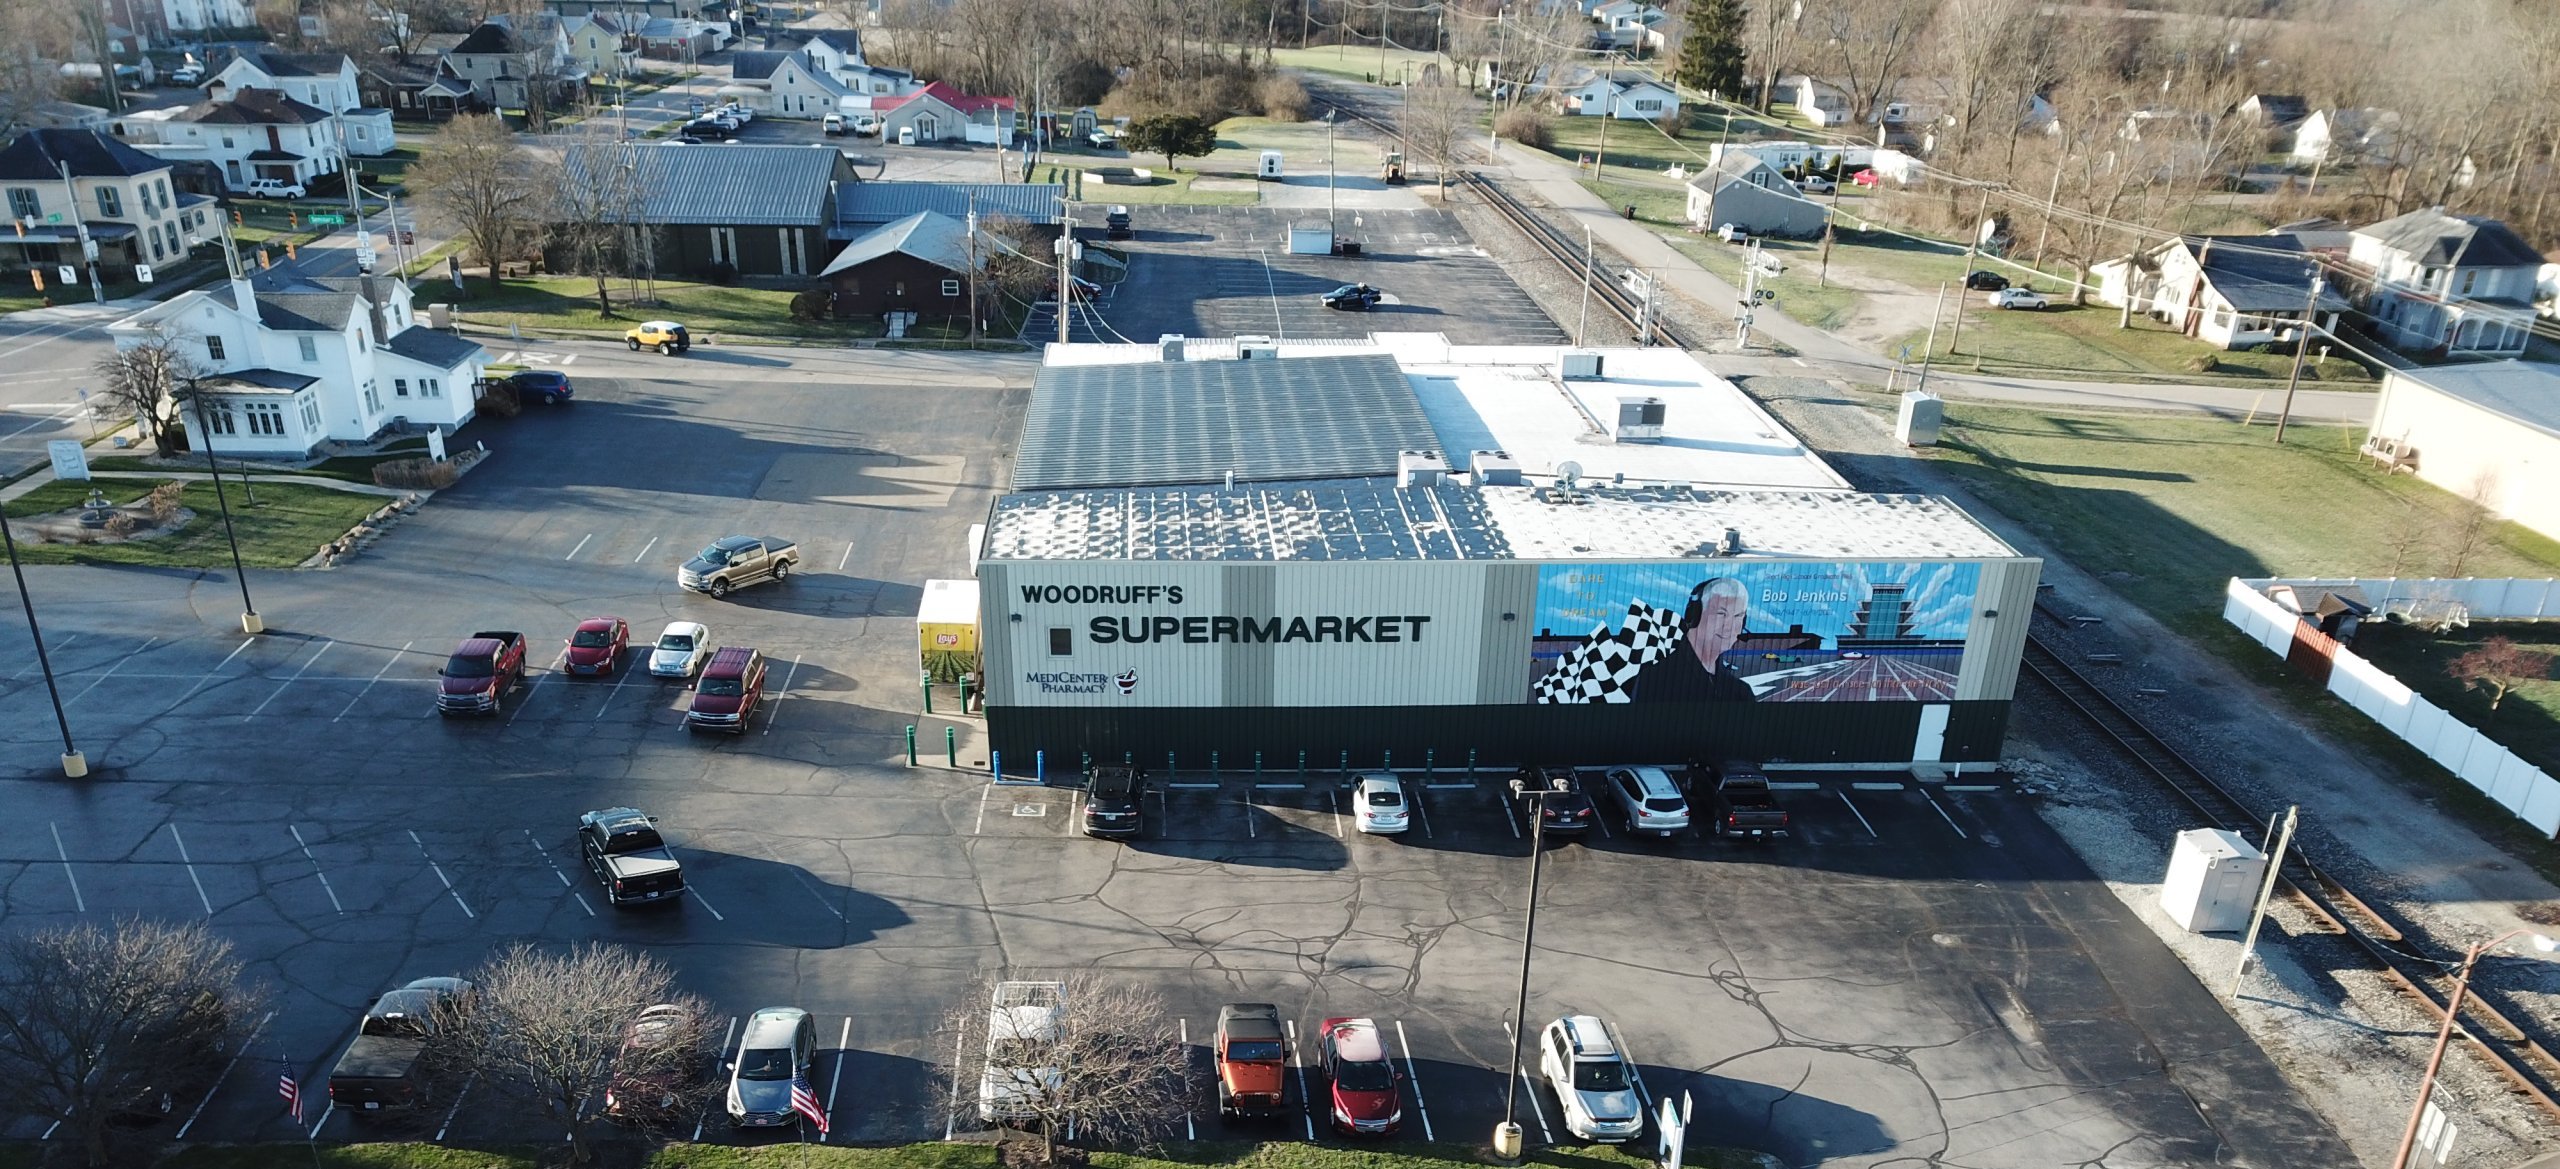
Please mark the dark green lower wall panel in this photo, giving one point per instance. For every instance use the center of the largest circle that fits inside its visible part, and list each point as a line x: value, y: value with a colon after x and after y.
x: 1790, y: 732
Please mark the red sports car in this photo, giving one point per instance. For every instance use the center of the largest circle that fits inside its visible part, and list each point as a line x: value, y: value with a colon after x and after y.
x: 596, y: 648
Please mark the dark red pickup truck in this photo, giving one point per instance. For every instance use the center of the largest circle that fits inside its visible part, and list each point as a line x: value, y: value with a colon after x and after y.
x: 475, y: 680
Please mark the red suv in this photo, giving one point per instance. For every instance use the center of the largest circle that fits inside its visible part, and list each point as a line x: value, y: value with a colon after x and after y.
x: 597, y: 646
x: 726, y: 695
x: 1363, y: 1084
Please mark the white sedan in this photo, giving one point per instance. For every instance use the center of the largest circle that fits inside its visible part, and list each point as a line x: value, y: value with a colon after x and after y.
x: 681, y: 649
x: 1378, y: 804
x: 2020, y: 298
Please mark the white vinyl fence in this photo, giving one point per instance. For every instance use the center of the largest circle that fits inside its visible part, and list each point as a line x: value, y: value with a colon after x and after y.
x: 2521, y: 787
x: 2487, y: 598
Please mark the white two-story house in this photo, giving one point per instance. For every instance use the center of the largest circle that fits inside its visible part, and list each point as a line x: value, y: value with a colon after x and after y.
x: 285, y: 365
x: 2450, y: 285
x: 320, y: 79
x: 55, y: 182
x: 257, y: 134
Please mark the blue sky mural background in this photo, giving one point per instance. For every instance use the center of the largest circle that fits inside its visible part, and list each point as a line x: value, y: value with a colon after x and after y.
x: 1823, y: 596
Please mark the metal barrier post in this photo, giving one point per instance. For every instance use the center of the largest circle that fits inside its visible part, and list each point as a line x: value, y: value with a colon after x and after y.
x: 1168, y: 766
x: 1387, y: 761
x: 951, y: 746
x: 1213, y: 768
x: 928, y: 694
x: 911, y: 744
x: 1302, y: 765
x: 1471, y: 765
x: 1346, y: 763
x: 1088, y: 760
x: 964, y: 694
x: 1257, y: 769
x: 1040, y: 765
x: 1430, y: 764
x: 995, y: 765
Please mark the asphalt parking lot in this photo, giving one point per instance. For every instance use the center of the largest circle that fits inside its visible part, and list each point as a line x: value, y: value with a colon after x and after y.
x: 1226, y: 271
x: 1924, y: 972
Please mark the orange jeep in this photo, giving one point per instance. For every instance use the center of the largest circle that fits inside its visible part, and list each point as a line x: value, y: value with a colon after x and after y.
x: 1252, y: 1056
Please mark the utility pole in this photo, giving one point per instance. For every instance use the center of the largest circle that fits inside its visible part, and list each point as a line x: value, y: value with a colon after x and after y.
x: 1955, y: 335
x: 1750, y: 297
x: 1328, y: 169
x: 2050, y: 203
x: 1830, y: 228
x: 2302, y: 346
x: 1066, y: 255
x: 1932, y: 347
x: 973, y: 270
x: 80, y: 227
x: 74, y: 764
x: 355, y: 195
x: 1608, y: 110
x: 1583, y: 322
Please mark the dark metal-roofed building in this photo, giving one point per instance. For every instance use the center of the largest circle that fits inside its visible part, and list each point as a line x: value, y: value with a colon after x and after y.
x: 757, y: 210
x: 869, y: 205
x: 1179, y: 422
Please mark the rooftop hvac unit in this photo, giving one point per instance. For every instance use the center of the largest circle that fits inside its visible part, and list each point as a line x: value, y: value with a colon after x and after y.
x: 1251, y: 348
x: 1579, y: 364
x: 1421, y: 469
x: 1169, y: 347
x: 1496, y: 469
x: 1639, y: 420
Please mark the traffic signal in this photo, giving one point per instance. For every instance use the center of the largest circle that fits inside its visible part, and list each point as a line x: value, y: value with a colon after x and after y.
x: 235, y: 217
x: 39, y: 278
x: 289, y: 252
x: 263, y: 256
x: 293, y: 219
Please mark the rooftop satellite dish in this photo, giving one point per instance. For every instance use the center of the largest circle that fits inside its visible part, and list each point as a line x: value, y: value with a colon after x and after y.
x: 1567, y: 472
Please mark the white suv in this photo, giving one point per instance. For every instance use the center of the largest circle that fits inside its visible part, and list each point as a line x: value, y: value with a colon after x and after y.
x: 276, y: 189
x: 1025, y: 1023
x: 1580, y: 1060
x: 1649, y: 802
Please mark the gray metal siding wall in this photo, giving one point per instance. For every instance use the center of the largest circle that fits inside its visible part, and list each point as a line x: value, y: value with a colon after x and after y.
x: 1990, y: 668
x: 1502, y: 666
x: 1001, y: 673
x: 1248, y: 670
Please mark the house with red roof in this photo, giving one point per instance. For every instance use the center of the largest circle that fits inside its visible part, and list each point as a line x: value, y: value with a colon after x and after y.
x: 939, y: 112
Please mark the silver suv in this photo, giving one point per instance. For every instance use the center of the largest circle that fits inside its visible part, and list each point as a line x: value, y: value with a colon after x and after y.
x: 1581, y: 1062
x: 1649, y: 802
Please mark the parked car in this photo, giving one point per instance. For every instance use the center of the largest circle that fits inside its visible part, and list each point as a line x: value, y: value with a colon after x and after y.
x: 186, y: 75
x: 475, y: 680
x: 667, y: 337
x: 1025, y: 1021
x: 730, y: 689
x: 1580, y: 1060
x: 832, y: 125
x: 732, y: 561
x: 1979, y: 280
x: 1817, y: 185
x: 648, y: 1081
x: 774, y: 1053
x: 1353, y: 298
x: 1362, y: 1087
x: 680, y: 650
x: 701, y: 128
x: 1555, y: 796
x: 738, y: 112
x: 2019, y: 298
x: 1115, y: 223
x: 1744, y: 804
x: 550, y: 385
x: 1101, y: 140
x: 263, y: 188
x: 1251, y: 1054
x: 628, y: 857
x: 385, y: 1069
x: 866, y: 125
x: 1378, y: 804
x: 1112, y: 798
x: 1648, y: 801
x: 597, y: 646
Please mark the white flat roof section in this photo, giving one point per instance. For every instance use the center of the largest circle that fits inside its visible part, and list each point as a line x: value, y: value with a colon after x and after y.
x: 1651, y: 523
x: 2524, y: 392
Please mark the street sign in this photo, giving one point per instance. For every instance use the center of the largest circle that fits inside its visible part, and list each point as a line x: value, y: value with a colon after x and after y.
x: 435, y: 444
x: 324, y: 219
x: 67, y: 274
x: 70, y: 459
x: 142, y: 272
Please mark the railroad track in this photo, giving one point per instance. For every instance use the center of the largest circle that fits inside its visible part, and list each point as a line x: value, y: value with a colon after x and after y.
x: 2507, y: 1048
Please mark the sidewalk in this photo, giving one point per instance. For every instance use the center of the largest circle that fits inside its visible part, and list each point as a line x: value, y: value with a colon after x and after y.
x: 45, y: 475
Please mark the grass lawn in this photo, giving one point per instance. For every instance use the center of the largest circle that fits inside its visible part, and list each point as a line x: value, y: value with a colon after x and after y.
x: 2166, y: 509
x: 1355, y: 62
x: 1635, y: 151
x: 20, y: 294
x: 1802, y: 295
x: 1163, y: 188
x: 288, y: 524
x: 352, y: 468
x: 2527, y: 720
x: 2085, y: 341
x: 940, y: 1155
x: 568, y: 304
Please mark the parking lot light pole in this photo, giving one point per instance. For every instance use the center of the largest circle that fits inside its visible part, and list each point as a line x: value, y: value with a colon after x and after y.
x: 250, y: 622
x: 2444, y: 1034
x: 1508, y: 1140
x: 74, y: 764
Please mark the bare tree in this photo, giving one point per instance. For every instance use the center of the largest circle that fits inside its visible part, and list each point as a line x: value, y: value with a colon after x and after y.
x: 2499, y: 666
x: 2472, y: 521
x: 141, y: 379
x: 97, y: 1024
x: 1089, y: 1055
x: 1871, y: 47
x: 1775, y: 24
x: 33, y: 37
x: 476, y: 179
x: 557, y: 1031
x: 2409, y: 535
x: 1438, y: 117
x: 595, y: 208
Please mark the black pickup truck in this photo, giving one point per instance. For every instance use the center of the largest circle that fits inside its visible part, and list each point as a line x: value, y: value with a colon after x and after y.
x: 628, y: 857
x: 385, y: 1070
x: 1743, y: 805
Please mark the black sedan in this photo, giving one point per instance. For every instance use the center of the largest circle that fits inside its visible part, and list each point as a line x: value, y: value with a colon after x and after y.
x: 550, y: 385
x: 1112, y: 797
x: 1979, y: 280
x: 1556, y: 797
x: 1354, y: 298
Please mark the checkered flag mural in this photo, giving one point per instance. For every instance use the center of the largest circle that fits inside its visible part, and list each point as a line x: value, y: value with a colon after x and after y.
x: 1603, y: 668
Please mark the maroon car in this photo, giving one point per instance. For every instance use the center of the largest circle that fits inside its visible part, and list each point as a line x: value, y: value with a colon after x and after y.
x: 1361, y: 1082
x: 596, y: 648
x: 656, y: 1067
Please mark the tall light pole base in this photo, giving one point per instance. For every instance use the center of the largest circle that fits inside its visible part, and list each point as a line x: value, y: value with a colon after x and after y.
x: 1507, y: 1140
x: 74, y: 765
x: 252, y: 623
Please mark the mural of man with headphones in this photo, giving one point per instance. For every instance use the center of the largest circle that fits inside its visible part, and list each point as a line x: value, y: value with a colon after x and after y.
x: 1694, y: 670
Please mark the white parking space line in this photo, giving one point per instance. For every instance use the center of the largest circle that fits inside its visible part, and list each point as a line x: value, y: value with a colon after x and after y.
x: 111, y: 671
x: 644, y: 550
x: 1529, y: 1088
x: 1632, y: 1066
x: 1333, y: 805
x: 1942, y: 814
x: 1973, y: 787
x: 1793, y: 786
x: 582, y: 903
x: 582, y: 546
x: 565, y: 882
x: 775, y: 711
x: 450, y: 1113
x: 1602, y: 821
x: 846, y: 559
x: 325, y: 643
x: 210, y: 675
x: 64, y: 644
x: 814, y: 891
x: 1877, y: 787
x: 1306, y: 1103
x: 56, y: 416
x: 844, y: 1039
x: 1415, y: 1078
x: 1853, y: 810
x: 621, y: 674
x: 983, y: 793
x: 535, y: 687
x: 439, y: 871
x: 705, y: 1118
x: 377, y: 676
x: 1425, y: 816
x: 1182, y: 1035
x: 315, y: 870
x: 226, y: 1074
x: 951, y: 1112
x: 76, y: 900
x: 323, y: 1122
x: 190, y: 862
x: 1250, y: 831
x: 695, y: 891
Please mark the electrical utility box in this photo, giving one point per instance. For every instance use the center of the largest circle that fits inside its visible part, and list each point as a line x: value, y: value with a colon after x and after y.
x: 2213, y: 881
x: 1916, y: 423
x: 1270, y: 168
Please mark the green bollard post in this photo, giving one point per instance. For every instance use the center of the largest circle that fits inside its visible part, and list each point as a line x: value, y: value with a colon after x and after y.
x: 1387, y: 761
x: 1346, y: 765
x: 1088, y: 762
x: 964, y: 694
x: 1257, y: 769
x: 928, y: 694
x: 1213, y: 768
x: 1430, y: 764
x: 1168, y: 767
x: 911, y: 744
x: 951, y: 745
x: 1302, y: 765
x: 1471, y: 765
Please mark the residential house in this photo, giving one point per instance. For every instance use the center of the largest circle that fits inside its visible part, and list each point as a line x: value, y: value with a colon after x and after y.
x: 2447, y: 285
x: 839, y: 52
x: 325, y: 80
x: 939, y: 112
x: 256, y: 134
x: 57, y: 114
x: 293, y: 363
x: 599, y: 43
x: 1749, y: 194
x: 919, y: 264
x: 1626, y: 96
x: 710, y: 10
x: 122, y: 196
x: 1816, y: 100
x: 200, y: 16
x: 507, y: 67
x: 2488, y: 428
x: 2276, y: 115
x: 432, y: 92
x: 1629, y: 25
x: 860, y: 207
x: 700, y: 211
x: 1790, y: 156
x: 2351, y: 137
x: 786, y: 85
x: 2230, y: 291
x: 667, y: 38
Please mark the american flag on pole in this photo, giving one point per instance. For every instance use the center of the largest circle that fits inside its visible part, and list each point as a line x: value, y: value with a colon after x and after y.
x: 291, y: 1092
x: 804, y: 1100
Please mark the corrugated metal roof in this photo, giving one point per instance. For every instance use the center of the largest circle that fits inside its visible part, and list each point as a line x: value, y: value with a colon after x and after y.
x: 1340, y: 519
x: 863, y: 206
x: 734, y: 185
x: 1195, y: 421
x: 938, y: 240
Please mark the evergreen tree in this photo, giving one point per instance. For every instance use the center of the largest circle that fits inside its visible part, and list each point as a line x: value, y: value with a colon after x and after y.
x: 1711, y: 52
